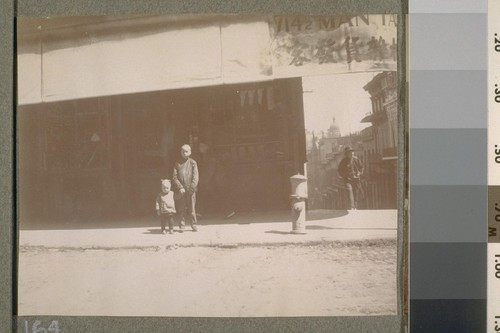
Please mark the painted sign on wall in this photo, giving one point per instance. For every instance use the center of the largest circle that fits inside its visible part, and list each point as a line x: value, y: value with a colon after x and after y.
x: 310, y: 45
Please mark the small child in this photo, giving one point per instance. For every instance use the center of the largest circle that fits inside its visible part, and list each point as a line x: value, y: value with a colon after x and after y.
x: 165, y: 206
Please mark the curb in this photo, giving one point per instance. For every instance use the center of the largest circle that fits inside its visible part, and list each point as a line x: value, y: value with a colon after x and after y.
x: 155, y: 248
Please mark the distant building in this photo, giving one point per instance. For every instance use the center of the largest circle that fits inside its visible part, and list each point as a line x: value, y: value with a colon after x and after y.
x: 380, y: 140
x: 326, y: 186
x: 334, y: 130
x: 375, y: 146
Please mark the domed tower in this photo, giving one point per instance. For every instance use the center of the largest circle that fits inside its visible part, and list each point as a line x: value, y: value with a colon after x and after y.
x: 334, y: 130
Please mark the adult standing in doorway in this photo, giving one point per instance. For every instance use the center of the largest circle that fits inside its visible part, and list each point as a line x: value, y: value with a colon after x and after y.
x: 350, y: 169
x: 186, y: 179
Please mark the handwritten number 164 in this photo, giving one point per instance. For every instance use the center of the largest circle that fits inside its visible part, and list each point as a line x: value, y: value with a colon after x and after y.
x: 35, y: 328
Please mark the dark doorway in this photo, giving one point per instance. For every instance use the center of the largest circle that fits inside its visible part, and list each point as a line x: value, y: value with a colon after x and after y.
x: 105, y: 156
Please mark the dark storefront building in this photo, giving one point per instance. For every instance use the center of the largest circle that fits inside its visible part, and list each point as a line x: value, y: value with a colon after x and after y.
x: 105, y: 156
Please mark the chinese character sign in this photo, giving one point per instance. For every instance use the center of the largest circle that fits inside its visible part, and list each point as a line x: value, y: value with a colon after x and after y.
x: 310, y: 45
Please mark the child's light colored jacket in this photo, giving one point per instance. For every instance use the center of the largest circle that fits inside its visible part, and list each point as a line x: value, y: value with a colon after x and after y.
x: 165, y: 203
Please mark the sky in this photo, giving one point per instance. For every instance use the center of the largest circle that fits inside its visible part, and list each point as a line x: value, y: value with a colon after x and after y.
x: 339, y: 95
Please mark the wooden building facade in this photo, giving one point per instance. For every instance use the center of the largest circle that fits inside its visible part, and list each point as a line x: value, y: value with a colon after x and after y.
x: 105, y: 156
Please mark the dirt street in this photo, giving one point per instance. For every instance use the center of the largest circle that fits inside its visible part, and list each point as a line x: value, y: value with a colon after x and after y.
x: 319, y: 279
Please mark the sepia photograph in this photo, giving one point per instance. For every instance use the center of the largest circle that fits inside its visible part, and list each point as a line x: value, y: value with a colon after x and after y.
x: 208, y: 165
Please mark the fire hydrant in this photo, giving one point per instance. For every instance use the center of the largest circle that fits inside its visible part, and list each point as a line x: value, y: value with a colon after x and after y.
x: 298, y: 201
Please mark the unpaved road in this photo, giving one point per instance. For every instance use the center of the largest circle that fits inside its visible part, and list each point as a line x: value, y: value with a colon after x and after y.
x: 327, y: 279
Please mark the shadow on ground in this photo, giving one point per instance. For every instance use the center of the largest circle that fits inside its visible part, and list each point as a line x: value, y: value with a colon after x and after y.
x: 152, y: 221
x: 158, y: 232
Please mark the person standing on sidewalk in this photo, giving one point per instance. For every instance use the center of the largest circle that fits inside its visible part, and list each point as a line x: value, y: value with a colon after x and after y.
x: 165, y: 206
x: 186, y: 179
x: 350, y: 169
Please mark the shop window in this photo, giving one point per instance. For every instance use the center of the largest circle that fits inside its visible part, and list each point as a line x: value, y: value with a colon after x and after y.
x: 75, y: 137
x: 152, y: 137
x: 251, y: 126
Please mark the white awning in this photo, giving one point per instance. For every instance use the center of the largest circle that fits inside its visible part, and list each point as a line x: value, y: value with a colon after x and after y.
x: 109, y: 57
